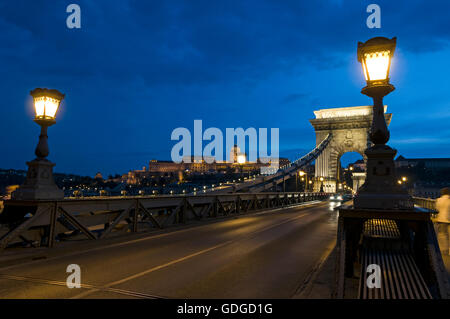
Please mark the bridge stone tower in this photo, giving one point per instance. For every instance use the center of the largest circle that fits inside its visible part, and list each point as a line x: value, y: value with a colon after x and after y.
x: 349, y: 127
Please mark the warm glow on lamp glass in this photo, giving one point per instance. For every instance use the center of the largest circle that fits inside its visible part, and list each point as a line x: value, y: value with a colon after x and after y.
x: 404, y: 179
x: 241, y: 159
x: 376, y: 56
x: 376, y: 65
x: 46, y: 107
x: 321, y: 179
x: 46, y: 103
x: 301, y: 173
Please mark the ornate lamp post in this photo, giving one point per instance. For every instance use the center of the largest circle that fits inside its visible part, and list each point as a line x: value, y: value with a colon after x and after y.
x: 380, y: 190
x: 381, y: 197
x: 321, y: 184
x: 302, y: 178
x: 39, y: 183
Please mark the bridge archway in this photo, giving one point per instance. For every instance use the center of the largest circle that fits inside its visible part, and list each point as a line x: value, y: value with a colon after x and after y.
x: 349, y: 127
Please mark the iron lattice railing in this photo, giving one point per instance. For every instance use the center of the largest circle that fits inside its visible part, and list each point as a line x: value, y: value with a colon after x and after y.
x: 45, y: 223
x: 427, y: 203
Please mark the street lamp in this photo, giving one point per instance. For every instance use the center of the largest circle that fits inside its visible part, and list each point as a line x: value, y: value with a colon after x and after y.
x: 375, y: 56
x: 39, y: 183
x: 241, y: 159
x: 304, y: 179
x: 46, y: 103
x: 382, y: 196
x: 380, y: 189
x: 321, y: 184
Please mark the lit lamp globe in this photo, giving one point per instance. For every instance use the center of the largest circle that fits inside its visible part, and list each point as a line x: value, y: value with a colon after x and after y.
x: 39, y: 183
x: 375, y: 56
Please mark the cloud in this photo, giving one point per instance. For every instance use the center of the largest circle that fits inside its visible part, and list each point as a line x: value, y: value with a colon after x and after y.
x: 186, y: 42
x: 294, y: 97
x: 135, y: 67
x: 416, y: 140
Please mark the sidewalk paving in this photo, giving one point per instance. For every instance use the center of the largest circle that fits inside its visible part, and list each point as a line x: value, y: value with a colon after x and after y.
x: 322, y: 284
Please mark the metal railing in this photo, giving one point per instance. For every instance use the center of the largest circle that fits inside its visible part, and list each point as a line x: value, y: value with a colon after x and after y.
x: 45, y: 223
x: 427, y: 203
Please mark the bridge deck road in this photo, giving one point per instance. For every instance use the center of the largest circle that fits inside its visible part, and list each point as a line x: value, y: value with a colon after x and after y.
x: 263, y: 255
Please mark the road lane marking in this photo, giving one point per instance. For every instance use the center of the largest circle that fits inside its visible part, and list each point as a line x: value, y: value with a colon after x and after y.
x: 156, y: 236
x: 145, y: 272
x: 85, y: 286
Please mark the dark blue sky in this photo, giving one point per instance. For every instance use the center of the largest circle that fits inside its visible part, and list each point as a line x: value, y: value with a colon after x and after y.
x: 138, y: 69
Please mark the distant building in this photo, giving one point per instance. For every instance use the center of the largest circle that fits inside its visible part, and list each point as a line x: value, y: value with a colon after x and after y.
x: 98, y: 176
x: 156, y: 166
x: 236, y: 156
x: 358, y: 166
x: 358, y: 180
x: 238, y: 163
x: 430, y: 163
x: 136, y: 176
x: 9, y: 190
x: 198, y: 165
x: 427, y: 191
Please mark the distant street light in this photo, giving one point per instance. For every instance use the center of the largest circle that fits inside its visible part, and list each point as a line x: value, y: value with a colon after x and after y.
x: 304, y: 178
x: 380, y: 189
x: 39, y: 183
